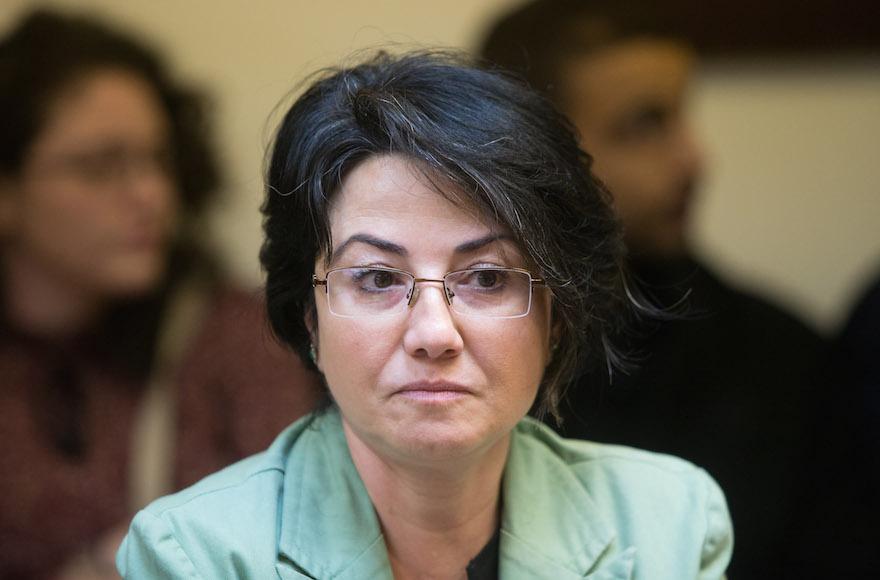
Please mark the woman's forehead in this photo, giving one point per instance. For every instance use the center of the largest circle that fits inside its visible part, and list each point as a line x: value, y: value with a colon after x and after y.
x: 386, y: 203
x: 391, y: 188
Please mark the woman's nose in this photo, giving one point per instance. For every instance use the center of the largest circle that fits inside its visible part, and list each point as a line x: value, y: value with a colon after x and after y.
x: 150, y: 187
x: 432, y: 329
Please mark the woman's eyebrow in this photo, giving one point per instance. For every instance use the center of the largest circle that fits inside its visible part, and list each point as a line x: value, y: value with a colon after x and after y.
x: 398, y: 250
x: 480, y: 243
x: 383, y: 245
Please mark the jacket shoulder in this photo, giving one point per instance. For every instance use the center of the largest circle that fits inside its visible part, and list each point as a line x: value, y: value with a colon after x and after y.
x: 660, y: 504
x: 617, y: 475
x: 224, y: 526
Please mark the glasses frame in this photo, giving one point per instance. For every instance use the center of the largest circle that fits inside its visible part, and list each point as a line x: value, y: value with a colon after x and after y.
x: 106, y: 167
x: 413, y: 293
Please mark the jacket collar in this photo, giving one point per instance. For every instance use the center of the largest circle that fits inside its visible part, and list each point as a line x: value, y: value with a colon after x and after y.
x: 561, y: 534
x: 329, y: 528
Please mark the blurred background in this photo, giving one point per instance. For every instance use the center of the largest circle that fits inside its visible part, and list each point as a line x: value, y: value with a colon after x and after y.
x: 787, y: 104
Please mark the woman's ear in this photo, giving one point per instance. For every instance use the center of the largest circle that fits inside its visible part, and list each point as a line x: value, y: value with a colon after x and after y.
x: 309, y: 319
x: 555, y: 337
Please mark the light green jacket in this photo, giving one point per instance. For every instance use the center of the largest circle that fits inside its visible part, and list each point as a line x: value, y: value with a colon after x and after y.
x: 572, y: 509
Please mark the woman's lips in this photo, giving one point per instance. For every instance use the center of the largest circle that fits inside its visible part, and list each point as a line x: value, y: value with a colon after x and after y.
x: 433, y: 392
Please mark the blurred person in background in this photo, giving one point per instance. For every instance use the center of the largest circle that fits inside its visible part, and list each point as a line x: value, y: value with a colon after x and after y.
x: 731, y: 383
x: 858, y: 362
x: 130, y: 366
x: 847, y: 455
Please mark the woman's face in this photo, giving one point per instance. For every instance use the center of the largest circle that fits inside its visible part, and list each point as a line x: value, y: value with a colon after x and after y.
x: 427, y: 383
x: 94, y: 205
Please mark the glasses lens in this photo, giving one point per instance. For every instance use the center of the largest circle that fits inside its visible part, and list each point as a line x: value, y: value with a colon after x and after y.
x: 109, y: 165
x: 367, y: 291
x: 491, y: 293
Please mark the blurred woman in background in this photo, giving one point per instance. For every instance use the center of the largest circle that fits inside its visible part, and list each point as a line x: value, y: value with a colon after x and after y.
x: 129, y: 366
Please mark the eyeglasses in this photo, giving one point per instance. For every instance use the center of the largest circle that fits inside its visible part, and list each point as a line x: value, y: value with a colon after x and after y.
x: 376, y: 291
x: 112, y: 165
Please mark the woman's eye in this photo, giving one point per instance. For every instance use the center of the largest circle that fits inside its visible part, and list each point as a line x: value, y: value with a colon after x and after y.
x: 487, y: 278
x: 373, y: 279
x: 382, y: 279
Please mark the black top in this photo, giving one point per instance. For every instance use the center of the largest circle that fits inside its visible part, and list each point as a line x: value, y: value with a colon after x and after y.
x: 839, y: 534
x: 484, y: 566
x: 730, y: 386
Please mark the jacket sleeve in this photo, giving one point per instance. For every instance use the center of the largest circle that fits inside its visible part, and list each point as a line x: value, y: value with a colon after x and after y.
x: 150, y: 551
x: 718, y: 543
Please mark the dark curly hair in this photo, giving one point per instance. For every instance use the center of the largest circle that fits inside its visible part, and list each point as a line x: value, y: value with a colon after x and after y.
x: 479, y: 136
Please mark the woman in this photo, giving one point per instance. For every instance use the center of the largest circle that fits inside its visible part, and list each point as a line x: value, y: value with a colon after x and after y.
x: 129, y: 367
x: 436, y: 245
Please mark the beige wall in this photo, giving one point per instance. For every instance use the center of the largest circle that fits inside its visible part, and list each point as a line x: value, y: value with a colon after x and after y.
x: 793, y: 200
x: 791, y: 204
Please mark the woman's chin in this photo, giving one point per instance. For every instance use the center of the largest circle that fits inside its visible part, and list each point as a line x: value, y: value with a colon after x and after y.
x: 432, y: 443
x: 137, y: 278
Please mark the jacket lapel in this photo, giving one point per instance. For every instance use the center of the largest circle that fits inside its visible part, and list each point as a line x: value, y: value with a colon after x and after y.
x: 328, y: 527
x: 561, y: 534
